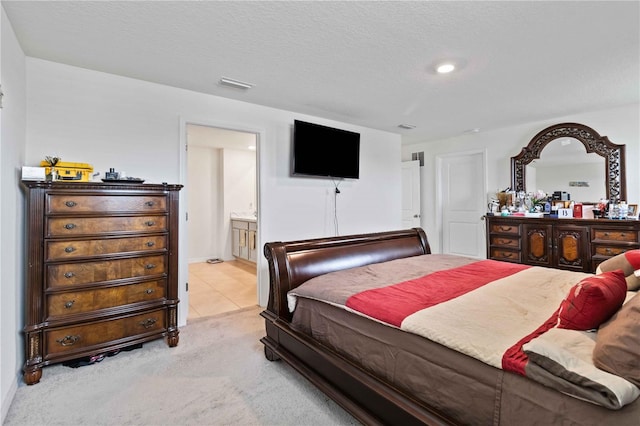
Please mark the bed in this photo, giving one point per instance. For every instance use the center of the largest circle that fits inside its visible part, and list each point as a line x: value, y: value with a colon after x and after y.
x: 368, y: 361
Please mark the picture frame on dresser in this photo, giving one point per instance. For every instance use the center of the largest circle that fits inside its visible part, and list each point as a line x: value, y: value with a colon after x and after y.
x: 633, y: 211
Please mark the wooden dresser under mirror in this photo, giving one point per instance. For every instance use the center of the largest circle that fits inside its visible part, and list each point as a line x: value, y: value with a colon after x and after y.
x: 101, y: 269
x: 575, y: 244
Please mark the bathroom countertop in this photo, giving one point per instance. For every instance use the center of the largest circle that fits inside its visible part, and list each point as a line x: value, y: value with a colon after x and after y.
x: 247, y: 217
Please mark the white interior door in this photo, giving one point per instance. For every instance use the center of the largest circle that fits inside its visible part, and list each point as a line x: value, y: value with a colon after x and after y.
x: 410, y: 194
x: 462, y: 184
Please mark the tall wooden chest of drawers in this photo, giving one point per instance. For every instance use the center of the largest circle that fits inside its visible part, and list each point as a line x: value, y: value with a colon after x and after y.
x: 102, y: 269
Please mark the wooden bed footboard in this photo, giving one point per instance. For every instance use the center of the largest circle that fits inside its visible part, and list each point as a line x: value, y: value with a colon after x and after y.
x: 366, y: 397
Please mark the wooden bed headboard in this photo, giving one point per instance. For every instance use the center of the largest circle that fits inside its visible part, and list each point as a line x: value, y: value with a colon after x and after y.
x: 293, y: 263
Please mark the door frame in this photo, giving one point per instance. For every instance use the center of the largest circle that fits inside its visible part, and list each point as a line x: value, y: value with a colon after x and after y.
x: 183, y: 258
x: 439, y: 190
x: 413, y: 164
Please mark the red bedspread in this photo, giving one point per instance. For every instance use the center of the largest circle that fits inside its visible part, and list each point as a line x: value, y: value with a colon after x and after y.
x: 392, y: 304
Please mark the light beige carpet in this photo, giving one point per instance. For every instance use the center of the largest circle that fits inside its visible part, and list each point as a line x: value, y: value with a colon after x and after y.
x: 217, y: 375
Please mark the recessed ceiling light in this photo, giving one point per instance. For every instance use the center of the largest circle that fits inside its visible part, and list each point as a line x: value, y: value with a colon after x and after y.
x: 251, y: 148
x: 236, y: 84
x: 445, y: 68
x: 406, y: 126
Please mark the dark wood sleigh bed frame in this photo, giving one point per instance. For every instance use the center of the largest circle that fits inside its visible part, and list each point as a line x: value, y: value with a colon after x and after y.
x: 366, y: 397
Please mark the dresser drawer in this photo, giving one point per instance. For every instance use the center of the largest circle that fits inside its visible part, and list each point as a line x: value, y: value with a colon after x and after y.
x: 72, y: 203
x: 499, y: 241
x: 608, y: 251
x: 614, y: 235
x: 69, y: 274
x: 506, y: 255
x: 57, y: 250
x: 77, y: 338
x: 76, y: 226
x: 505, y: 229
x: 60, y: 305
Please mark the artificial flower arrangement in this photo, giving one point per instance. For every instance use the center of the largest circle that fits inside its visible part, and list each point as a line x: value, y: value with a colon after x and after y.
x: 538, y: 200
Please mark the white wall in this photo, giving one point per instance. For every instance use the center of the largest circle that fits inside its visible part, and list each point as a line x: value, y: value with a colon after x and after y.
x: 12, y: 143
x: 111, y: 121
x: 204, y: 171
x: 621, y: 125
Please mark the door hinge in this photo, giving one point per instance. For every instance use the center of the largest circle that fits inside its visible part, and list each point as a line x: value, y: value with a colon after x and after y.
x: 186, y: 285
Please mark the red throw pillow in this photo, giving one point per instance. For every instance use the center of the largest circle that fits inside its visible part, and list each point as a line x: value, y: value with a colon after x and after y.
x: 593, y: 301
x: 633, y: 257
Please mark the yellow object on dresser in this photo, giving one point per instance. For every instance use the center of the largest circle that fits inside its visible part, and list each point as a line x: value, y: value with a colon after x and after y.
x: 65, y: 170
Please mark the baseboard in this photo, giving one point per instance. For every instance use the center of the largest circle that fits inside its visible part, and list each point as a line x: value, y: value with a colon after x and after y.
x: 204, y: 259
x: 8, y: 398
x: 200, y: 259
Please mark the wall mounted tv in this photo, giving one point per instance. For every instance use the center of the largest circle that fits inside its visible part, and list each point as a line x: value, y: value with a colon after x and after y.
x: 323, y: 151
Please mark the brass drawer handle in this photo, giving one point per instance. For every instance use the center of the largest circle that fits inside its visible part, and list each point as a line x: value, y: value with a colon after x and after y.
x: 149, y: 266
x: 608, y: 251
x: 69, y: 275
x: 150, y: 244
x: 69, y: 304
x: 148, y: 323
x: 70, y: 225
x: 606, y: 234
x: 149, y: 204
x: 507, y: 254
x: 69, y: 249
x: 150, y: 223
x: 149, y: 291
x: 68, y: 340
x: 70, y: 204
x: 505, y: 228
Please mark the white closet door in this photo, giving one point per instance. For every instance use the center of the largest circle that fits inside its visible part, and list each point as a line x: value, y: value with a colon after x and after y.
x: 462, y: 185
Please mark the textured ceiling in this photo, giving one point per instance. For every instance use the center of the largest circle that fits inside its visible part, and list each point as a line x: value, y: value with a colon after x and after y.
x: 366, y: 63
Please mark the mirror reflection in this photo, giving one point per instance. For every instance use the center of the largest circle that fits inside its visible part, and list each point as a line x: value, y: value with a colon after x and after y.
x: 613, y: 157
x: 564, y: 165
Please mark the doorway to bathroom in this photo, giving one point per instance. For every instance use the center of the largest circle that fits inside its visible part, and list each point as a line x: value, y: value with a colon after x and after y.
x: 222, y: 194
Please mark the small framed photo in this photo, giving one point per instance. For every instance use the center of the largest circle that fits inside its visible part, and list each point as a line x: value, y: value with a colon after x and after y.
x: 633, y: 210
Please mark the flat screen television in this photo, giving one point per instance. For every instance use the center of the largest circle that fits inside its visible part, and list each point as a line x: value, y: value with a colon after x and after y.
x: 323, y: 151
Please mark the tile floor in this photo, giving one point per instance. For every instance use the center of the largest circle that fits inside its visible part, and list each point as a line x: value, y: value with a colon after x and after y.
x: 221, y: 287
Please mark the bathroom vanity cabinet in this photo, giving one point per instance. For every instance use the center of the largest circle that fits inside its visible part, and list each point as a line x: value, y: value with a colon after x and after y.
x: 243, y: 239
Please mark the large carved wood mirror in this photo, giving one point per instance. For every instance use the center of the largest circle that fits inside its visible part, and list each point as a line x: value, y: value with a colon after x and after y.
x: 613, y: 156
